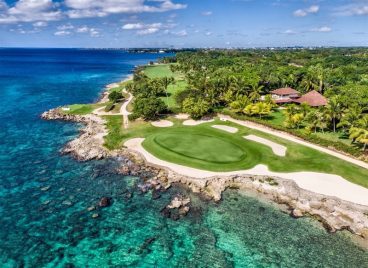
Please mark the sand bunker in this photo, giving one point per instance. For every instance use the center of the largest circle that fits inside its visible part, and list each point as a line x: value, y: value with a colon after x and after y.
x: 277, y: 149
x: 321, y: 183
x: 182, y: 116
x: 191, y: 122
x: 226, y: 128
x: 162, y: 123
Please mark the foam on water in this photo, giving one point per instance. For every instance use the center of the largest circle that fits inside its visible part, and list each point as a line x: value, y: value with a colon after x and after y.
x: 44, y: 196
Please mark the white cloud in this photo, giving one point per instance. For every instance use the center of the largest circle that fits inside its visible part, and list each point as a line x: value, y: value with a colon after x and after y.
x: 181, y: 33
x: 324, y: 29
x: 353, y: 9
x: 82, y: 29
x: 304, y: 12
x: 289, y: 31
x: 62, y: 33
x: 208, y: 33
x: 40, y: 24
x: 145, y: 29
x: 29, y: 11
x: 65, y: 27
x: 207, y: 13
x: 98, y: 8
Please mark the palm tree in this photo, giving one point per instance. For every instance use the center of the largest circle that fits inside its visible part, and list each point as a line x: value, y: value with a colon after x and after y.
x: 240, y: 103
x: 255, y: 91
x: 363, y: 122
x: 166, y: 81
x: 312, y: 119
x: 359, y: 135
x: 261, y: 109
x: 335, y: 110
x: 350, y: 118
x: 304, y: 108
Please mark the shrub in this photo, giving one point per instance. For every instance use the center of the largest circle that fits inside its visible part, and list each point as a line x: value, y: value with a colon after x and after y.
x: 149, y: 108
x: 114, y: 96
x: 133, y: 116
x: 109, y: 107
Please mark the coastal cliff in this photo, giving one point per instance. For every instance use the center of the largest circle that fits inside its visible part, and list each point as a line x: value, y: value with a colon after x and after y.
x: 335, y: 214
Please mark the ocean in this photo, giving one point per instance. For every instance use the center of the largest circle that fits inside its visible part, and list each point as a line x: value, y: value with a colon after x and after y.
x: 44, y: 196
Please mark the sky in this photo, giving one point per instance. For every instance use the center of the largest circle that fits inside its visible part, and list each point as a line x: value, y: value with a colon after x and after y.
x: 183, y: 23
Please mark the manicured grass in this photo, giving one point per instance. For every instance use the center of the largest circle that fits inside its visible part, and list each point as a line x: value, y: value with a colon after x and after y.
x: 180, y: 144
x: 82, y: 109
x: 163, y: 70
x: 334, y: 137
x: 206, y: 148
x: 160, y: 70
x: 173, y: 89
x: 200, y: 146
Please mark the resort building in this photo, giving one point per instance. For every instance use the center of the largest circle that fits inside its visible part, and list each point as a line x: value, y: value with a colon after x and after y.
x: 313, y: 98
x: 284, y: 95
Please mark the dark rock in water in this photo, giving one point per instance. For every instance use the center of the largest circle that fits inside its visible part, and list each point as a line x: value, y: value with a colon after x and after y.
x: 166, y: 212
x: 147, y: 243
x: 128, y: 195
x: 69, y: 265
x: 155, y: 195
x: 105, y: 202
x: 183, y: 211
x: 175, y: 216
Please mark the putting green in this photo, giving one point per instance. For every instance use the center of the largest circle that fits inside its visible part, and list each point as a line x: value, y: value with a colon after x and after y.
x: 201, y: 147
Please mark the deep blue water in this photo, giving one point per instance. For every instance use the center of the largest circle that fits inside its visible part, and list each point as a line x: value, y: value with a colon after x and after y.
x: 51, y: 227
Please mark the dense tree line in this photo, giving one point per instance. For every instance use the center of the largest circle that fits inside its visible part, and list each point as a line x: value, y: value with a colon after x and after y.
x: 237, y: 79
x: 147, y: 95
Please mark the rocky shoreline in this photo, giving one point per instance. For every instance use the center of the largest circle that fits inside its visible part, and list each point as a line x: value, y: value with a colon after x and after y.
x: 335, y: 214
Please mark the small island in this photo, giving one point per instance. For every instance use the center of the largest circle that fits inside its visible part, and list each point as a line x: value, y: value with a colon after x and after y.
x: 293, y: 131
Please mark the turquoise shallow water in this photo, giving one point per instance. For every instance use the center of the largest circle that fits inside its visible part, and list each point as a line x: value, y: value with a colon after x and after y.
x: 52, y: 227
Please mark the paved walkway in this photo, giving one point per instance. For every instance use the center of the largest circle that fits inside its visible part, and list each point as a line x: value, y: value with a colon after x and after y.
x: 292, y: 138
x: 124, y: 111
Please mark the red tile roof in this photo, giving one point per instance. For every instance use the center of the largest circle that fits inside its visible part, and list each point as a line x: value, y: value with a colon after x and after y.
x: 313, y: 98
x: 288, y: 100
x: 284, y: 91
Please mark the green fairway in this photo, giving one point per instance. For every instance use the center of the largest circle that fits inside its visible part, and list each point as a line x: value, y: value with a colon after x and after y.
x: 163, y: 70
x: 160, y: 70
x: 200, y: 147
x: 206, y: 148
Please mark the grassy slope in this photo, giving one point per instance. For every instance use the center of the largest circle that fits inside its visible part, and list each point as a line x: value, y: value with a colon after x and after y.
x: 163, y: 70
x: 278, y: 118
x: 298, y: 158
x: 82, y: 109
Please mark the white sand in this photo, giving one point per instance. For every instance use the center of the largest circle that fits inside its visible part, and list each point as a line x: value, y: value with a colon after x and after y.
x: 192, y: 122
x: 277, y: 149
x: 226, y: 128
x: 113, y: 85
x: 321, y: 183
x: 182, y: 116
x: 292, y: 138
x: 162, y: 123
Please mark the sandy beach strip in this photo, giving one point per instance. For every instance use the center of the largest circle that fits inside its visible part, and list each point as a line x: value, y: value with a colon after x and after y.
x: 321, y: 183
